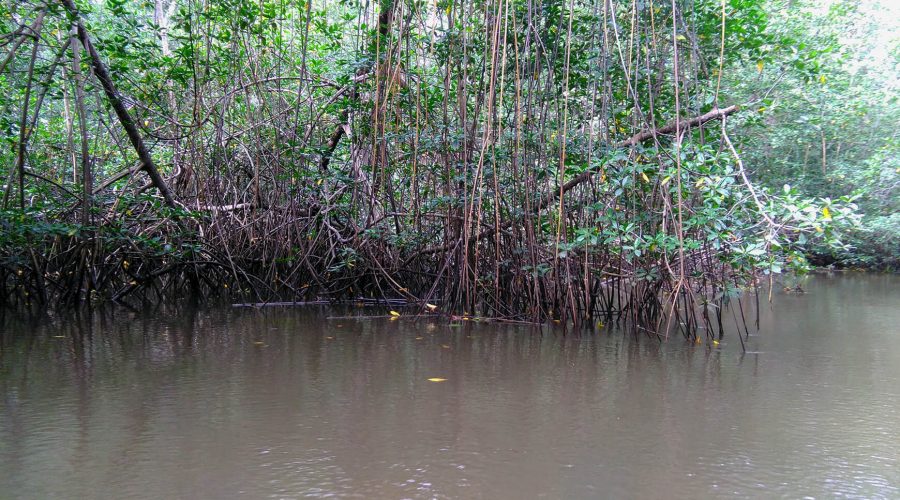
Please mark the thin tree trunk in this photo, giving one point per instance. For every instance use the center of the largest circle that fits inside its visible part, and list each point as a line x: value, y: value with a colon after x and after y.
x: 115, y: 100
x: 23, y: 125
x: 36, y: 27
x: 81, y: 112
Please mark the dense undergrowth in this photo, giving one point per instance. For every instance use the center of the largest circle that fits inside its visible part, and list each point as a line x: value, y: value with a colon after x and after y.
x: 509, y: 159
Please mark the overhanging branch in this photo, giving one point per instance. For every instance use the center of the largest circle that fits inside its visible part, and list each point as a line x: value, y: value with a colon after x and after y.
x: 634, y: 140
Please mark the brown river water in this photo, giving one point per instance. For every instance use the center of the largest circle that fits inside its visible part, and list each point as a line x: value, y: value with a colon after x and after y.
x: 288, y: 403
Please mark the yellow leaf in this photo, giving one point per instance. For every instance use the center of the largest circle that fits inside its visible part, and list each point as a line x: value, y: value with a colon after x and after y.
x: 319, y: 182
x: 761, y: 109
x: 419, y: 338
x: 431, y: 307
x: 715, y: 342
x: 445, y: 346
x: 666, y: 180
x: 437, y: 379
x: 759, y: 66
x: 644, y: 176
x: 395, y: 314
x: 680, y: 38
x: 822, y: 79
x: 826, y: 213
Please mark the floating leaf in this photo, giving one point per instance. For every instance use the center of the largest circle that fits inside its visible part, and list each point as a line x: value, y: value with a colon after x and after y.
x: 437, y: 379
x: 395, y: 314
x: 430, y: 307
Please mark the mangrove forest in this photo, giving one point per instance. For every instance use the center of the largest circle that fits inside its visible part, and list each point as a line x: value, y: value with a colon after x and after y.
x: 643, y: 161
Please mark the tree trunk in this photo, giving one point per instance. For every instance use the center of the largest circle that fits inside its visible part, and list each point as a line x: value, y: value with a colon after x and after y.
x: 119, y: 107
x: 81, y: 112
x: 23, y: 125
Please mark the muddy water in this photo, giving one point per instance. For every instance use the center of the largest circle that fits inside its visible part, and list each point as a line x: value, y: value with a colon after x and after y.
x: 286, y: 403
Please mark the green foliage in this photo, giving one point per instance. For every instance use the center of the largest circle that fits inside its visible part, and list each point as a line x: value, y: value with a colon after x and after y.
x: 476, y: 148
x: 824, y: 113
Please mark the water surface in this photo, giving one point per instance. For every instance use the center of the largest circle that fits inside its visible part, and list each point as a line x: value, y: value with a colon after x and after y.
x: 286, y: 403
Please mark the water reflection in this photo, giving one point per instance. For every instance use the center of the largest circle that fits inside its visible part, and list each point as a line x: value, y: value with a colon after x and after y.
x: 288, y: 403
